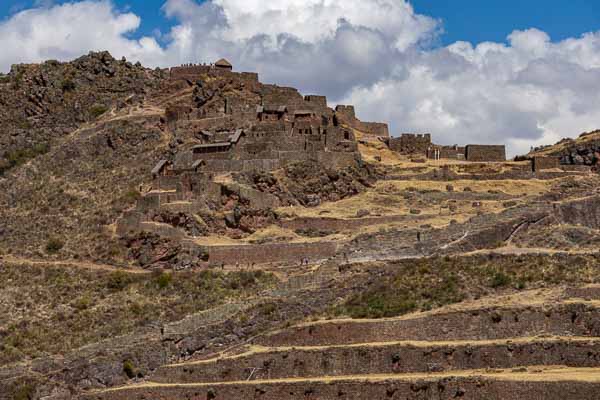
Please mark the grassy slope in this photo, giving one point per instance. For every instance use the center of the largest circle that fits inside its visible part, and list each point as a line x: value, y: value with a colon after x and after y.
x: 53, y: 309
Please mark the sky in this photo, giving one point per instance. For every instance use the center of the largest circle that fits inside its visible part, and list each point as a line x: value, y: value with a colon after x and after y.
x: 523, y: 73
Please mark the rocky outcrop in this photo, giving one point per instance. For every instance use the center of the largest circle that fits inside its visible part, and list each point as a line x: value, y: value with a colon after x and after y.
x: 310, y: 183
x: 42, y: 103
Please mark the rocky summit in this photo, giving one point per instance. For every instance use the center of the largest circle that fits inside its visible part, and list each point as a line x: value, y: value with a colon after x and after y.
x: 194, y: 233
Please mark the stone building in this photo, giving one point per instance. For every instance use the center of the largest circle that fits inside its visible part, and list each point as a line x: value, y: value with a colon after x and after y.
x: 259, y: 126
x: 224, y: 64
x: 540, y: 163
x: 421, y: 144
x: 345, y: 115
x: 483, y: 152
x: 409, y: 143
x: 454, y: 152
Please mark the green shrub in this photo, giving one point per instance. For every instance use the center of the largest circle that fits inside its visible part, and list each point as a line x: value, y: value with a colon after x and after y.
x: 82, y: 303
x: 54, y: 245
x: 18, y: 81
x: 268, y: 308
x: 21, y: 156
x: 67, y: 85
x: 164, y: 280
x: 24, y: 392
x: 118, y: 280
x: 97, y: 110
x: 129, y: 369
x: 500, y: 279
x: 131, y: 196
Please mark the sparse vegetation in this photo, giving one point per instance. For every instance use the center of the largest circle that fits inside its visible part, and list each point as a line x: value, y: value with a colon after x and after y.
x: 67, y: 85
x: 54, y: 245
x: 21, y: 156
x: 430, y: 283
x: 164, y: 280
x: 18, y: 79
x: 500, y: 279
x: 211, y: 394
x: 97, y: 110
x: 129, y: 369
x: 69, y: 308
x: 24, y: 391
x: 131, y: 196
x: 119, y: 280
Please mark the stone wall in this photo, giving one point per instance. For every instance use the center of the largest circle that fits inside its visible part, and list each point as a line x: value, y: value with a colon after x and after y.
x: 486, y: 324
x: 409, y: 143
x: 339, y: 225
x: 225, y: 165
x: 584, y: 212
x: 485, y: 153
x: 450, y: 152
x: 433, y: 387
x: 346, y: 111
x: 385, y: 359
x: 317, y: 101
x: 540, y: 163
x: 270, y: 253
x: 375, y: 129
x: 273, y: 95
x: 189, y: 72
x: 193, y: 72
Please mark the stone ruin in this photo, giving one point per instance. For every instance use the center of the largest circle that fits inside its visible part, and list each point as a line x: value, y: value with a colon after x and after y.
x: 421, y: 144
x: 261, y: 127
x: 232, y: 123
x: 408, y: 143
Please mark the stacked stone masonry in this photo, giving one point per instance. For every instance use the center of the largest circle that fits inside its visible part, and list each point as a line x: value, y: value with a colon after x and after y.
x: 421, y: 144
x: 541, y: 163
x: 271, y: 252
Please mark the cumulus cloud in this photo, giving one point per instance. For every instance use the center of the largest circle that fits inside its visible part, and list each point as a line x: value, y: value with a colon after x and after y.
x: 69, y: 30
x: 527, y: 92
x: 377, y: 54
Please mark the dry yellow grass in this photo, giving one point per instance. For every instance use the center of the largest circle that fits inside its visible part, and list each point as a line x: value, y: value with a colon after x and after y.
x: 370, y: 147
x: 508, y: 186
x: 386, y: 198
x: 214, y: 240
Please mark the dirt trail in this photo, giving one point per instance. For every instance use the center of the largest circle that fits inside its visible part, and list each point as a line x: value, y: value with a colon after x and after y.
x: 257, y: 349
x: 531, y: 374
x: 69, y: 264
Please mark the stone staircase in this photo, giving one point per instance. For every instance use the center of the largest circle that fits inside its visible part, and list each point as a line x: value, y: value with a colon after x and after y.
x: 540, y: 346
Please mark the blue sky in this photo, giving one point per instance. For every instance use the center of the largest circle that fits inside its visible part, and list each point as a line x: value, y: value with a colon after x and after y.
x: 469, y: 20
x: 492, y: 20
x: 524, y: 73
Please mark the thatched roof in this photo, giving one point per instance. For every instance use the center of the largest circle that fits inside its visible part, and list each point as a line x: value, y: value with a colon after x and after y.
x: 211, y: 145
x: 270, y: 109
x: 223, y: 63
x: 236, y: 136
x: 159, y: 167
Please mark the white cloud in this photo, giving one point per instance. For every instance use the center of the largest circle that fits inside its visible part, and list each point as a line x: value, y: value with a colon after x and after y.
x: 525, y: 93
x: 68, y: 31
x: 376, y: 54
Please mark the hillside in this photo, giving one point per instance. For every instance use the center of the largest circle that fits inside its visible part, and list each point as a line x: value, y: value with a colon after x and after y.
x: 195, y: 233
x: 584, y: 150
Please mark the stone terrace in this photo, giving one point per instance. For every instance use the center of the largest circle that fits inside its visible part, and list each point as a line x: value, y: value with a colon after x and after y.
x: 523, y: 349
